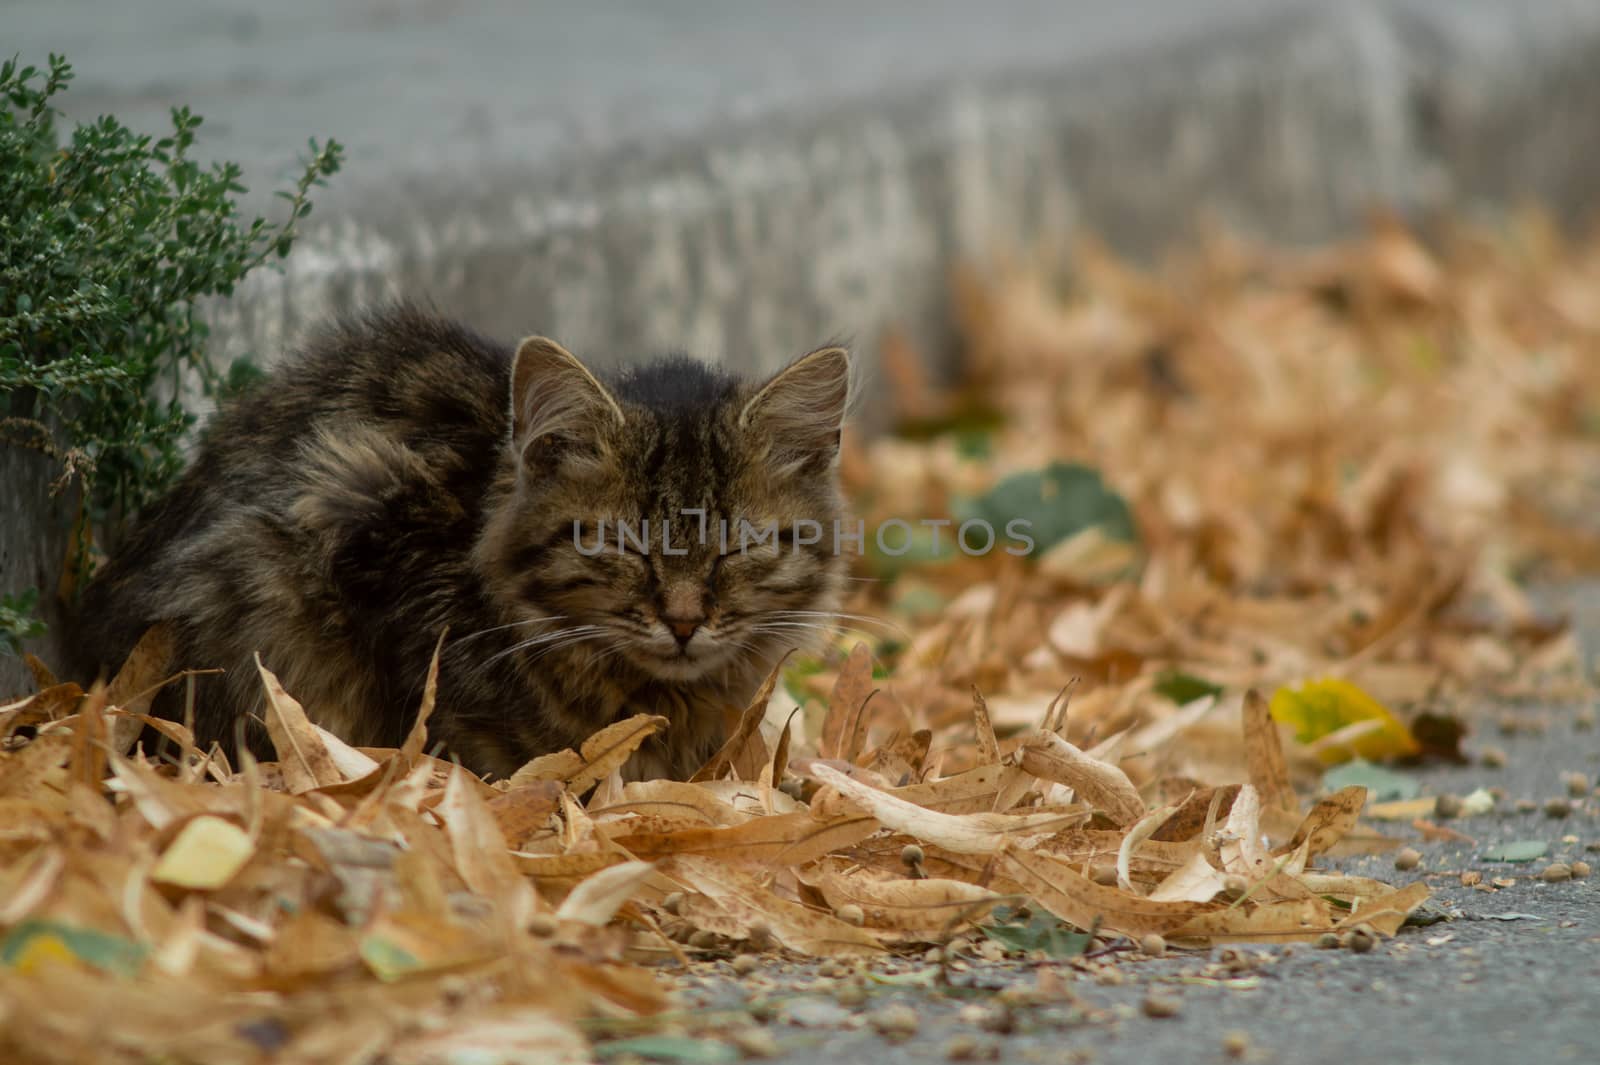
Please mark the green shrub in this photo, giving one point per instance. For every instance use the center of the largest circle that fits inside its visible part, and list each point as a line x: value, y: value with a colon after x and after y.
x: 107, y: 243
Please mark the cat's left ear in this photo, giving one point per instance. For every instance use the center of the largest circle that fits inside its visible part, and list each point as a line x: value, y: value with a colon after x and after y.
x: 557, y: 405
x: 800, y: 412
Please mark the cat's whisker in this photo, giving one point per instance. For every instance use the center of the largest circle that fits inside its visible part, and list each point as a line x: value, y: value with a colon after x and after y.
x: 564, y: 644
x: 539, y: 640
x: 864, y: 618
x: 547, y: 620
x: 817, y: 633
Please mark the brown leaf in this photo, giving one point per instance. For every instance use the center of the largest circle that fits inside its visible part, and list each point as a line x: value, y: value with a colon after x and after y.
x: 42, y: 676
x: 599, y: 755
x: 787, y: 839
x: 1386, y: 913
x: 1297, y: 921
x: 48, y: 704
x: 850, y: 694
x: 1330, y: 820
x: 417, y: 738
x: 302, y: 753
x: 480, y: 851
x: 522, y: 811
x: 1100, y: 784
x: 929, y: 906
x: 745, y: 752
x: 795, y: 926
x: 1076, y: 899
x: 976, y: 833
x: 1263, y: 754
x: 988, y: 745
x: 137, y: 682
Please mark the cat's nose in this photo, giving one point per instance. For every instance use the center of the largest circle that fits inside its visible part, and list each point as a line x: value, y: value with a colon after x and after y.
x: 683, y: 629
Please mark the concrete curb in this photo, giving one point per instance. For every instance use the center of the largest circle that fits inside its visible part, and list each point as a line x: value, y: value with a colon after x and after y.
x: 751, y: 240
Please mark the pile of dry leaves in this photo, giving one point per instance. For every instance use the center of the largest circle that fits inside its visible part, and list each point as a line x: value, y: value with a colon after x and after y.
x: 1311, y: 477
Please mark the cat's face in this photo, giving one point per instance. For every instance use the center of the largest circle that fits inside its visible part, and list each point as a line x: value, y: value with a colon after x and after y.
x: 676, y: 521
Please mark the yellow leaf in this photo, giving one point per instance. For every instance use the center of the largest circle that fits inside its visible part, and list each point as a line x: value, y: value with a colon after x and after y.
x: 205, y: 855
x: 1318, y: 708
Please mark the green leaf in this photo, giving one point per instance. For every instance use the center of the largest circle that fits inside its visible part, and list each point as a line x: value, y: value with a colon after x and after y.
x: 1383, y: 785
x: 1042, y: 932
x: 1052, y: 504
x: 387, y: 960
x: 670, y: 1048
x: 1518, y: 850
x: 35, y: 939
x: 1184, y: 688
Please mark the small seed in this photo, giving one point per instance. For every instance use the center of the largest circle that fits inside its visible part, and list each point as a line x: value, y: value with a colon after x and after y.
x: 911, y: 854
x: 1153, y: 944
x: 1509, y: 725
x: 1558, y: 808
x: 1000, y: 1019
x: 755, y: 1042
x: 968, y: 1047
x: 1015, y: 996
x: 1471, y: 878
x: 894, y: 1021
x: 1236, y: 1043
x: 703, y: 939
x: 1235, y: 961
x: 673, y: 903
x: 963, y: 1047
x: 991, y: 951
x: 1104, y: 874
x: 1556, y: 872
x: 852, y: 914
x: 1361, y: 940
x: 1110, y: 977
x: 1583, y: 720
x: 1328, y: 941
x: 1407, y: 858
x: 543, y: 925
x: 1526, y: 806
x: 1580, y: 870
x: 1577, y: 784
x: 745, y: 964
x: 793, y: 787
x: 1492, y: 758
x: 850, y: 994
x: 1234, y: 886
x: 761, y: 938
x: 1447, y: 806
x: 1157, y: 1005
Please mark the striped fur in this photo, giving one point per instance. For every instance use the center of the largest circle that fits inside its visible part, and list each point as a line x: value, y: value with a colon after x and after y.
x: 397, y: 477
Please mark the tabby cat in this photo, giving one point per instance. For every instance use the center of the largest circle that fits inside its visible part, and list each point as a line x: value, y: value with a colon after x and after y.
x: 402, y: 476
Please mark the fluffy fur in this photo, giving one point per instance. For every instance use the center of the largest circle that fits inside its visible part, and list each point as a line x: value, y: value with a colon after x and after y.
x: 402, y: 475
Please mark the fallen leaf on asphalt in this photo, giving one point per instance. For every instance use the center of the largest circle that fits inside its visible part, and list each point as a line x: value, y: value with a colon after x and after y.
x: 1517, y: 850
x: 1323, y: 708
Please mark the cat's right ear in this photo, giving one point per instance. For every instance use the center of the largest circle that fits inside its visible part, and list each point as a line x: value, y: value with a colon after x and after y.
x: 557, y: 405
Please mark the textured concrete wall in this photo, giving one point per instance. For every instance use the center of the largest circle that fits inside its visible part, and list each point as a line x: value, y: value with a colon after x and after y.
x: 750, y: 240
